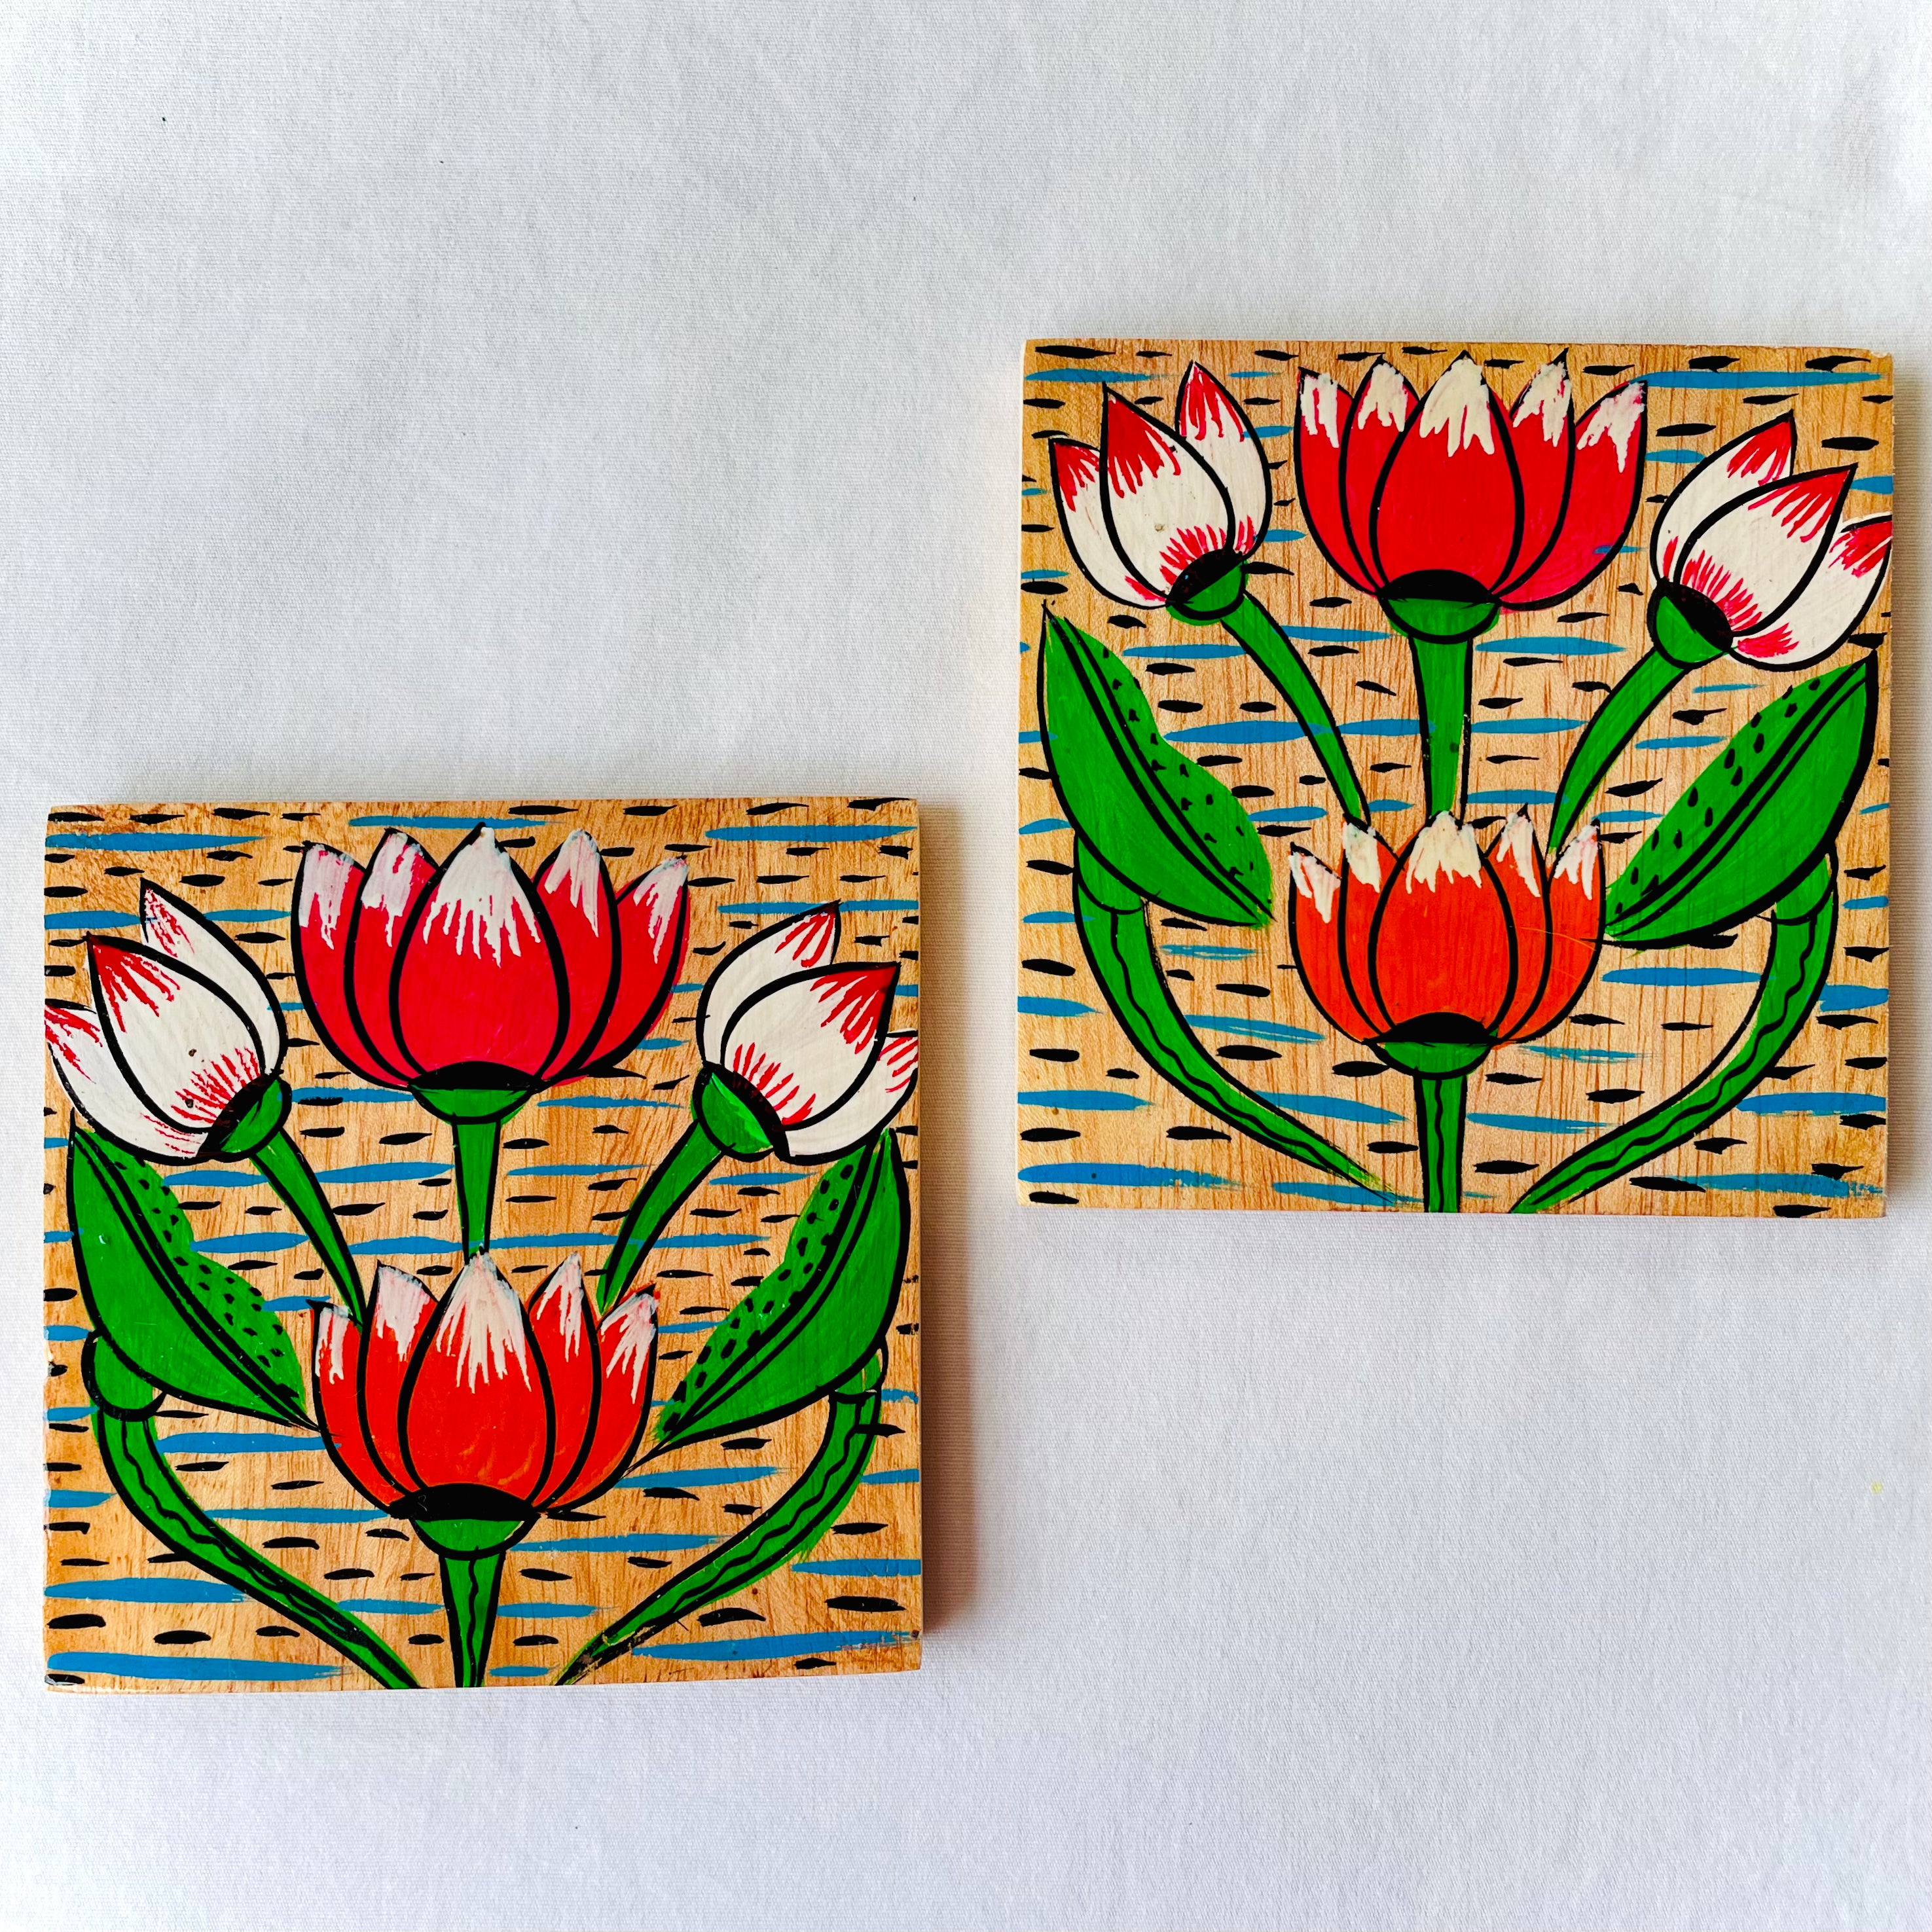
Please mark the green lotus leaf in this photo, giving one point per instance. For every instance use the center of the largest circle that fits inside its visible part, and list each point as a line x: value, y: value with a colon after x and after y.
x: 1757, y: 817
x: 1155, y: 819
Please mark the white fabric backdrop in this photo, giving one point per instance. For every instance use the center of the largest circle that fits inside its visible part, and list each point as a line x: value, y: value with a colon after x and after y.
x: 439, y: 399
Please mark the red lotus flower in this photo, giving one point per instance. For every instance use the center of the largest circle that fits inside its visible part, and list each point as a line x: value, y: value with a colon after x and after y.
x: 1451, y: 503
x: 466, y: 975
x: 476, y: 1408
x: 1755, y: 561
x: 1446, y: 947
x: 1158, y: 516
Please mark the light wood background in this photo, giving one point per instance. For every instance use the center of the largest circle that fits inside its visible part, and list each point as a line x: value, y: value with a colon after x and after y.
x: 248, y: 861
x: 1794, y: 1165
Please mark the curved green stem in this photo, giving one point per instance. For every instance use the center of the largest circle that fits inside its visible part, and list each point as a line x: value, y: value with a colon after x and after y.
x: 1439, y: 1106
x: 791, y: 1525
x: 676, y: 1176
x: 1258, y: 634
x: 155, y: 1498
x: 284, y: 1169
x: 471, y: 1585
x: 1113, y: 924
x: 1442, y: 674
x: 1803, y: 925
x: 1676, y: 647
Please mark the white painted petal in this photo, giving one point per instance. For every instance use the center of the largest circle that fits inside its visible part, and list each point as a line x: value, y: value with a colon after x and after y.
x: 1164, y: 507
x: 864, y: 1110
x: 1760, y: 456
x: 1314, y: 881
x: 187, y: 1050
x: 1752, y: 559
x: 100, y: 1091
x: 625, y: 1338
x: 181, y: 932
x: 804, y: 1044
x: 1083, y: 521
x: 1214, y: 424
x: 1840, y: 592
x: 800, y: 944
x: 484, y: 1329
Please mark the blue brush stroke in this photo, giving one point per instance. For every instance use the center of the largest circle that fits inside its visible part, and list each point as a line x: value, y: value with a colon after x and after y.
x: 567, y: 1167
x: 1343, y: 1191
x: 860, y: 1566
x: 74, y: 1412
x: 1589, y: 1056
x: 1676, y: 455
x: 1376, y: 805
x: 1136, y: 378
x: 1849, y: 999
x: 205, y: 1670
x: 1329, y: 634
x: 1813, y: 1103
x: 147, y: 842
x: 1288, y: 814
x: 248, y: 1244
x: 236, y: 1442
x: 407, y: 1244
x: 77, y: 1499
x: 749, y: 1649
x: 192, y: 1177
x: 1823, y: 1186
x: 65, y: 1331
x: 1692, y: 744
x: 700, y: 1479
x: 1757, y: 379
x: 1681, y: 976
x: 434, y: 822
x: 1331, y: 1107
x: 1872, y: 486
x: 1119, y: 1174
x: 1041, y: 576
x: 383, y: 1170
x: 1210, y: 952
x: 519, y: 1670
x: 374, y: 1096
x: 1875, y: 902
x: 1550, y: 647
x: 609, y: 1106
x: 1048, y: 918
x: 759, y: 909
x: 1252, y: 1029
x: 887, y: 1478
x: 1517, y: 797
x: 1533, y: 1123
x: 1712, y: 690
x: 1083, y: 1099
x: 1038, y: 825
x: 1629, y: 816
x: 1052, y: 1009
x: 1183, y: 652
x: 144, y: 1590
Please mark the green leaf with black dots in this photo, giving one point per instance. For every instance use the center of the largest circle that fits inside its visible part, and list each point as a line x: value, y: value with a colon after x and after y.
x: 819, y: 1314
x: 1758, y: 817
x: 186, y: 1323
x: 1155, y: 819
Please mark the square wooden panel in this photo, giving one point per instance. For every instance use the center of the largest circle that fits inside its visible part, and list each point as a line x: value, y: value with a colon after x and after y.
x: 1485, y: 511
x: 814, y: 1041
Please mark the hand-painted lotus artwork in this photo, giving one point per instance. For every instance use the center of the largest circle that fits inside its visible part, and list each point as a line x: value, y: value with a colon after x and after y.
x: 482, y: 1243
x: 1454, y: 778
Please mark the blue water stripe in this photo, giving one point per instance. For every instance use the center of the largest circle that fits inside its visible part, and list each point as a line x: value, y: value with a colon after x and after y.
x: 767, y: 832
x: 204, y: 1670
x: 147, y: 842
x: 1812, y: 1103
x: 860, y: 1566
x: 700, y: 1479
x: 749, y: 1649
x: 144, y: 1590
x: 1118, y: 1173
x: 1052, y: 1009
x: 607, y: 1545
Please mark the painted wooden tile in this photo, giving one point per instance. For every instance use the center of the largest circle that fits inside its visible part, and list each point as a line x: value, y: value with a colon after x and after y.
x: 482, y: 1243
x: 1454, y: 777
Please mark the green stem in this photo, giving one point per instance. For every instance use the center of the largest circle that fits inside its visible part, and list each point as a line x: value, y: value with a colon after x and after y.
x: 1251, y: 626
x: 477, y: 1144
x: 677, y: 1175
x: 471, y: 1585
x: 1803, y: 925
x: 1619, y: 718
x: 1113, y: 925
x: 791, y: 1525
x: 155, y: 1498
x: 1439, y: 1105
x: 1442, y: 673
x: 283, y: 1166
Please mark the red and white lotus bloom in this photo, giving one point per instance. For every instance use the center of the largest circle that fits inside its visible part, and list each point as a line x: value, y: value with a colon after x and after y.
x: 1448, y: 502
x: 183, y: 1042
x: 469, y: 976
x: 1435, y: 956
x: 477, y: 1409
x: 1156, y: 516
x: 804, y: 1047
x: 1756, y: 562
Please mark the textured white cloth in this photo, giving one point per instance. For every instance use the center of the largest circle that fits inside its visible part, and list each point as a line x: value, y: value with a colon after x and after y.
x: 433, y: 400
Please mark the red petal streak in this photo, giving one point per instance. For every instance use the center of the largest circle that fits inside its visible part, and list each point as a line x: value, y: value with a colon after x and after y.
x: 1751, y: 560
x: 399, y: 1317
x: 1576, y: 931
x: 187, y: 1050
x: 1165, y: 507
x: 653, y: 919
x: 627, y: 1351
x: 1315, y: 931
x: 1213, y: 424
x: 1603, y: 486
x: 575, y: 890
x: 1385, y: 405
x: 1517, y: 864
x: 1760, y: 456
x: 805, y: 1045
x: 565, y: 1328
x: 337, y: 1350
x: 1083, y: 521
x: 1450, y: 500
x: 1441, y: 944
x: 1318, y: 422
x: 476, y: 1411
x: 1542, y: 432
x: 399, y: 875
x: 477, y: 983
